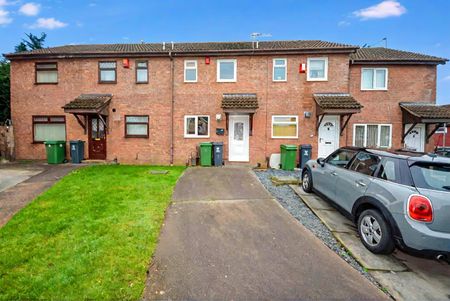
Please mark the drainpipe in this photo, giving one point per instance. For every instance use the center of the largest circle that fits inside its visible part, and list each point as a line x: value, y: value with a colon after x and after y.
x: 172, y: 96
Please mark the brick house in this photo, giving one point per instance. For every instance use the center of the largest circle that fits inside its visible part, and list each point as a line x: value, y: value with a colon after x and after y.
x: 154, y: 103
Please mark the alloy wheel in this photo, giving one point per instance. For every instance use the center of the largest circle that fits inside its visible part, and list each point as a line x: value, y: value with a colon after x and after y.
x: 305, y: 181
x: 371, y: 230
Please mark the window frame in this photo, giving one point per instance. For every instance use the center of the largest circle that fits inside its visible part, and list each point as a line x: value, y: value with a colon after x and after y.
x: 186, y: 135
x: 308, y: 63
x: 283, y: 122
x: 190, y: 68
x: 285, y: 69
x: 219, y: 80
x: 36, y: 64
x: 374, y: 80
x: 137, y: 69
x: 47, y: 122
x: 379, y: 125
x: 100, y: 81
x: 137, y: 136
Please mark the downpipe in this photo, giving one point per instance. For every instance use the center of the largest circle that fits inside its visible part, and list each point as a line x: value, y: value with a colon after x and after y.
x: 172, y: 96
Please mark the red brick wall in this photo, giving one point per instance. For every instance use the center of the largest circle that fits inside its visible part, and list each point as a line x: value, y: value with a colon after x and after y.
x: 254, y: 75
x: 405, y: 83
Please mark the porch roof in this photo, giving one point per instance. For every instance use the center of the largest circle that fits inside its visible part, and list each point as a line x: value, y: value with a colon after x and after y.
x: 336, y: 103
x: 240, y: 102
x: 422, y: 112
x: 88, y: 103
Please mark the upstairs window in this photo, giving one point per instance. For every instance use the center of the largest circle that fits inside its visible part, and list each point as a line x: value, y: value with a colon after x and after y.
x: 317, y: 69
x: 196, y: 126
x: 46, y: 73
x: 226, y: 70
x: 107, y: 72
x: 136, y: 126
x: 47, y: 128
x: 372, y: 135
x: 141, y: 72
x: 374, y: 78
x: 190, y: 71
x: 279, y: 70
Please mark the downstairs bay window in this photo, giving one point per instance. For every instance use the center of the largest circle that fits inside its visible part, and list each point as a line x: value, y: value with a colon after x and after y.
x: 49, y: 128
x: 196, y: 126
x: 372, y: 135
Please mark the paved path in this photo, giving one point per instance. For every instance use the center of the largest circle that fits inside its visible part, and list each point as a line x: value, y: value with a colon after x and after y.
x: 15, y: 197
x: 225, y: 238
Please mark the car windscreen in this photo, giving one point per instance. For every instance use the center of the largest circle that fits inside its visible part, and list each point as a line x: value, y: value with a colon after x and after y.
x: 434, y: 176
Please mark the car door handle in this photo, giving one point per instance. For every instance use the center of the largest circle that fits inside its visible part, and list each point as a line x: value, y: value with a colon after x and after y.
x: 360, y: 183
x: 334, y: 173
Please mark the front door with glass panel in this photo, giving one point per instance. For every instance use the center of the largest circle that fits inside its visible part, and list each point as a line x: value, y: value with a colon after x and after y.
x: 328, y: 136
x: 238, y: 128
x: 415, y: 139
x: 97, y: 138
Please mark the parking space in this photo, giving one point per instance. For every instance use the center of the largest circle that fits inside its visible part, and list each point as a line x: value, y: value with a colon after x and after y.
x: 405, y: 277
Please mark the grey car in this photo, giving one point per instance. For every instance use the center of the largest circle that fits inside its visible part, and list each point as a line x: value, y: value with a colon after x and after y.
x: 395, y: 198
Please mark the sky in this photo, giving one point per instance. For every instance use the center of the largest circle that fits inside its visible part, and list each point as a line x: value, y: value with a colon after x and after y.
x: 414, y: 25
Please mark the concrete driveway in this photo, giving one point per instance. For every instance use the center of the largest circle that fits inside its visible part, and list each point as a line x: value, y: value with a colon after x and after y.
x: 225, y: 238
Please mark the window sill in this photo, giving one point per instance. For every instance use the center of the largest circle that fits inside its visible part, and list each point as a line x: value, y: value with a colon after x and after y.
x: 107, y: 83
x: 286, y: 138
x: 317, y: 79
x: 136, y: 136
x: 227, y: 81
x: 190, y: 82
x: 196, y: 137
x: 141, y: 83
x: 374, y: 90
x: 280, y: 81
x: 39, y: 84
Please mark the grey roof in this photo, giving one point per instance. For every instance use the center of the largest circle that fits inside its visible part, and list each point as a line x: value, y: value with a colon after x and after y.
x: 426, y: 110
x: 88, y: 102
x: 336, y: 101
x: 201, y: 47
x: 380, y: 54
x: 240, y: 101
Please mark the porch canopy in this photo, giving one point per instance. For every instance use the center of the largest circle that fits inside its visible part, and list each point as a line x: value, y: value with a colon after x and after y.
x: 89, y: 104
x: 430, y: 114
x: 342, y: 104
x: 240, y: 103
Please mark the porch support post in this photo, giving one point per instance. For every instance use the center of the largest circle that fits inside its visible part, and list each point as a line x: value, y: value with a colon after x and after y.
x: 408, y: 131
x: 319, y: 121
x: 83, y: 125
x: 438, y: 125
x: 251, y: 125
x: 226, y: 121
x: 346, y: 122
x: 104, y: 122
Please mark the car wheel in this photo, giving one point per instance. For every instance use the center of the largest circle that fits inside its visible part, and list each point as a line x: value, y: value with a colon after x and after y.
x: 375, y: 233
x: 307, y: 183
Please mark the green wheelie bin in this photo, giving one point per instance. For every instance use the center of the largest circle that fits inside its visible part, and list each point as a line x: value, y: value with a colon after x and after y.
x: 56, y: 151
x: 288, y: 156
x: 206, y: 154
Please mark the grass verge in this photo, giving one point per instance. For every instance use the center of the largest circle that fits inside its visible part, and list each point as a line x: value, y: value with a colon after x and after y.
x: 90, y: 236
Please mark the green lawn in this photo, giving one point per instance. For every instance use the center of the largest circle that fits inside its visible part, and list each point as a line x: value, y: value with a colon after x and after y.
x: 90, y: 236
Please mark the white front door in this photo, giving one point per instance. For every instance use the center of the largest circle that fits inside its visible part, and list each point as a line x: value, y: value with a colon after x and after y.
x: 415, y: 140
x: 238, y: 127
x: 328, y: 135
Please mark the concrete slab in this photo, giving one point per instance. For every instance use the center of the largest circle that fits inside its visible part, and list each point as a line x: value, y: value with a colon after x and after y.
x: 367, y: 259
x: 212, y: 183
x: 285, y: 180
x: 410, y: 286
x: 247, y: 249
x: 10, y: 177
x: 335, y: 221
x: 311, y: 200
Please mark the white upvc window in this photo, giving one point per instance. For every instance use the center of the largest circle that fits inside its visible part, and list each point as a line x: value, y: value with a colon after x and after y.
x: 227, y: 70
x: 372, y: 135
x: 196, y: 126
x: 190, y: 71
x: 374, y: 78
x: 317, y: 69
x: 285, y: 126
x: 279, y: 70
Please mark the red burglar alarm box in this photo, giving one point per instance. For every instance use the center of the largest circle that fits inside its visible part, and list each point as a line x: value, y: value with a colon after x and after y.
x: 302, y: 68
x: 126, y: 63
x: 207, y: 60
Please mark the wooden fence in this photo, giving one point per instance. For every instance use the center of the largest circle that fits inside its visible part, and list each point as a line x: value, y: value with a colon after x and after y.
x: 6, y: 143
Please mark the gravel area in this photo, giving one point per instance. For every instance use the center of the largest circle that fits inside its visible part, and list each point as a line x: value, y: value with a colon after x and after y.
x: 294, y: 205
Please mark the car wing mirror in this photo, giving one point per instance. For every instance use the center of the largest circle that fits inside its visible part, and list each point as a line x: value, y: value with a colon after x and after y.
x: 321, y: 161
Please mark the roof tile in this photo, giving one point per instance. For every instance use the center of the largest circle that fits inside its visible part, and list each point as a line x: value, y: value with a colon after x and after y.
x: 88, y: 102
x: 336, y: 101
x: 378, y: 54
x: 240, y: 101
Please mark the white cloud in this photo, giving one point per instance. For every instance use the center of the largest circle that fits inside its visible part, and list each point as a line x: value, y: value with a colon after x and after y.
x: 385, y: 9
x: 343, y: 23
x: 4, y: 17
x: 446, y: 79
x: 48, y: 23
x: 3, y: 3
x: 30, y: 9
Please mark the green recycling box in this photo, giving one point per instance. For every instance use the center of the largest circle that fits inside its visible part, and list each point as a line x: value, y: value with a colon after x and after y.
x: 206, y: 154
x: 56, y: 151
x: 288, y: 156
